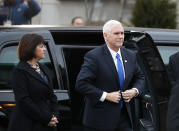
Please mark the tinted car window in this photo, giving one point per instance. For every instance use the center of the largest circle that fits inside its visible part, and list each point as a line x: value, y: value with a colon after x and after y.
x: 9, y: 59
x: 9, y: 55
x: 166, y: 52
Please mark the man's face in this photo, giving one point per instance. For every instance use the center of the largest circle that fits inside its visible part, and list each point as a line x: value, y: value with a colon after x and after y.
x: 78, y: 22
x: 115, y: 37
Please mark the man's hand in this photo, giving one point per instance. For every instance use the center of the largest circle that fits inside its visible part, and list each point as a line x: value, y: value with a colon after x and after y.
x: 113, y: 96
x: 129, y: 94
x: 53, y: 122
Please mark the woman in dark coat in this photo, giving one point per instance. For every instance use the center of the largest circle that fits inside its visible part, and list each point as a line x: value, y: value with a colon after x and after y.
x: 36, y: 105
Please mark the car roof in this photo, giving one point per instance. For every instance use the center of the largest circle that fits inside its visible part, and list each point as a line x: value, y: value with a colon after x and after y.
x: 157, y: 34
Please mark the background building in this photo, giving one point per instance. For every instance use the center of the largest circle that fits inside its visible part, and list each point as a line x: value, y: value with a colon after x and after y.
x: 60, y: 12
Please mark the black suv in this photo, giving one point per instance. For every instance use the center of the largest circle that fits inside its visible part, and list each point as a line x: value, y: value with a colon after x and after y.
x: 66, y: 47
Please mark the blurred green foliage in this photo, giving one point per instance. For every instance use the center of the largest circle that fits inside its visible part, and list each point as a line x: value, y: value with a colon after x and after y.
x: 154, y: 14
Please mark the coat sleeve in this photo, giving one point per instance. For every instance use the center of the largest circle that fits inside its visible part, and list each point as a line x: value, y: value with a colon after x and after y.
x: 32, y: 9
x: 173, y: 109
x: 85, y: 83
x: 23, y: 100
x: 138, y: 78
x: 53, y: 97
x: 54, y: 105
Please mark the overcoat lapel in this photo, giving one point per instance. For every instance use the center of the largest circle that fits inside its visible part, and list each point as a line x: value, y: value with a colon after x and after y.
x: 108, y: 58
x: 25, y: 66
x: 47, y: 74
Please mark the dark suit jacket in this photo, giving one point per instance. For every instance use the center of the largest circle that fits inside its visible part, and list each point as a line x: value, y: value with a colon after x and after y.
x: 98, y: 74
x: 173, y: 109
x: 173, y: 67
x: 35, y: 100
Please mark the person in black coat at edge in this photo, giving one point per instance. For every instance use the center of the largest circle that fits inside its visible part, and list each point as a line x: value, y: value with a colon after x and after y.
x: 36, y: 104
x: 109, y: 78
x: 173, y: 106
x: 173, y: 109
x: 173, y: 68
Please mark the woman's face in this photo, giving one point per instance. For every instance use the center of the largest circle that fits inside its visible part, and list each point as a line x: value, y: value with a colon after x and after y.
x: 40, y: 51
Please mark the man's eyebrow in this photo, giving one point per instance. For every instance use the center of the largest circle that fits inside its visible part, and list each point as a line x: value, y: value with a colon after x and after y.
x: 119, y: 32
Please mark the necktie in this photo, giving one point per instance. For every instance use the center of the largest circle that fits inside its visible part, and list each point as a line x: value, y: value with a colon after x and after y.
x: 121, y: 76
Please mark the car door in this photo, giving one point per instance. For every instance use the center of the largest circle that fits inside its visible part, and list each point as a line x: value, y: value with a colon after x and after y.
x: 149, y: 111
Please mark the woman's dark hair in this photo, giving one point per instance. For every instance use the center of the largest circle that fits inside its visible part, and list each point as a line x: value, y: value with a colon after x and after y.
x: 27, y: 45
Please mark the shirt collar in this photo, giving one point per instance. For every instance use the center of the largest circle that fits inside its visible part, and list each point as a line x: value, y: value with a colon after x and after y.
x: 113, y: 53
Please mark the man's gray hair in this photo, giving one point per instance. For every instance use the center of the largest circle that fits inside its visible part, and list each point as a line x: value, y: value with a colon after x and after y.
x: 107, y: 26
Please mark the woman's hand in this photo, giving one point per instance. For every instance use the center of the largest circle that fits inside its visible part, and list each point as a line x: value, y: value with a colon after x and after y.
x: 53, y: 122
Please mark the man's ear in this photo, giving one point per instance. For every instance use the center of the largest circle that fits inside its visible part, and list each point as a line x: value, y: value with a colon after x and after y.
x: 104, y: 34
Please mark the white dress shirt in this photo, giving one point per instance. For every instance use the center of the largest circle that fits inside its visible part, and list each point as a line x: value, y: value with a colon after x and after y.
x: 113, y: 54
